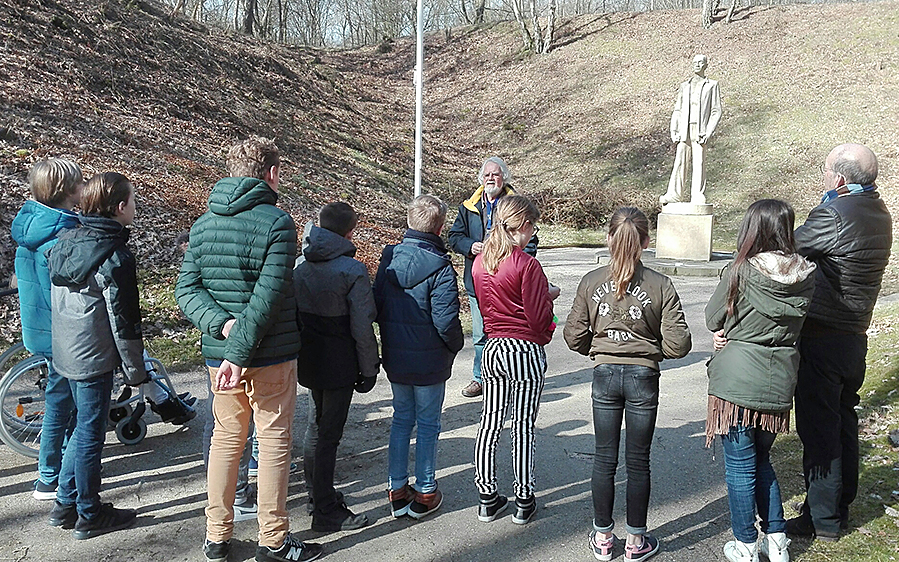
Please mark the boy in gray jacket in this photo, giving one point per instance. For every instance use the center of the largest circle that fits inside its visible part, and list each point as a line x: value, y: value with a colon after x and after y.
x: 339, y: 352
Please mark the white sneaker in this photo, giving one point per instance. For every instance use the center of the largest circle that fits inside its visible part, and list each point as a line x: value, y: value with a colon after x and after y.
x: 737, y: 551
x: 774, y: 546
x: 245, y: 508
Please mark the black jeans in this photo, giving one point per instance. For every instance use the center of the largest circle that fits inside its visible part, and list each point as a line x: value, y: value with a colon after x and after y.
x: 331, y: 409
x: 632, y: 392
x: 831, y: 371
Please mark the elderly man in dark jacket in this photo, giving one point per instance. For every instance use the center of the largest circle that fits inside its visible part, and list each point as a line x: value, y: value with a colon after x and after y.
x: 848, y: 236
x: 466, y: 237
x: 235, y: 286
x: 418, y: 313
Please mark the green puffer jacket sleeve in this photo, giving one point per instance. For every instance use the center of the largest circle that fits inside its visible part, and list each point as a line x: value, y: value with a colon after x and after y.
x: 275, y: 281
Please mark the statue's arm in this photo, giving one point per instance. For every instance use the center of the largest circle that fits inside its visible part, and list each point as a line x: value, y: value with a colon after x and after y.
x: 675, y: 117
x: 715, y: 113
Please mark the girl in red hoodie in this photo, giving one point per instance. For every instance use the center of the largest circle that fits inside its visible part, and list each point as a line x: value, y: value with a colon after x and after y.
x: 515, y: 300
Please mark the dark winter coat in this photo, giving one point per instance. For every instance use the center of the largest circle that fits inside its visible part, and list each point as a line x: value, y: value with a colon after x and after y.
x: 418, y: 310
x: 95, y: 303
x: 337, y: 309
x: 849, y: 239
x: 238, y: 265
x: 758, y: 365
x: 35, y: 229
x: 470, y: 227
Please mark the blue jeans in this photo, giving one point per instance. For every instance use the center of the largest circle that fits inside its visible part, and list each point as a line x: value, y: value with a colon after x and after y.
x: 751, y: 483
x: 631, y: 392
x: 79, y: 478
x: 421, y: 405
x: 56, y: 427
x: 478, y: 337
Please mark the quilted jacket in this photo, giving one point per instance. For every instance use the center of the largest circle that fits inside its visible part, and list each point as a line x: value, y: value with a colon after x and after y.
x: 238, y: 265
x: 35, y: 229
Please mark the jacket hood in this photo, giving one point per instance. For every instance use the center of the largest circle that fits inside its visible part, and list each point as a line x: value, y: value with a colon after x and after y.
x: 782, y: 284
x: 320, y: 244
x: 419, y: 256
x: 81, y: 251
x: 36, y: 224
x: 471, y: 202
x: 232, y: 195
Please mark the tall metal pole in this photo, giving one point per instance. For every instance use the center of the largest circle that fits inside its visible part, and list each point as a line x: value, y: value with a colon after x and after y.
x: 419, y: 92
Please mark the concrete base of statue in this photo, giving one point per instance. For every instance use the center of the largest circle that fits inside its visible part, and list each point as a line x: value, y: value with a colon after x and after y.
x: 685, y: 232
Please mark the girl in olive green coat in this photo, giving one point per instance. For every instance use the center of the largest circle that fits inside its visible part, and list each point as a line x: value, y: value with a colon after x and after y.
x: 756, y: 313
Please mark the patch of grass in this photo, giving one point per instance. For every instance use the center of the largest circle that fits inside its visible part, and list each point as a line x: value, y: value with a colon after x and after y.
x: 874, y: 535
x: 556, y: 235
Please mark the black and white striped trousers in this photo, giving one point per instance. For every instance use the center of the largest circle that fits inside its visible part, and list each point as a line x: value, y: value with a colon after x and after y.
x: 514, y: 372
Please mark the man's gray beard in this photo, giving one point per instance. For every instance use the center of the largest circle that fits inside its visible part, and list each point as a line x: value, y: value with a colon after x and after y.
x: 493, y: 192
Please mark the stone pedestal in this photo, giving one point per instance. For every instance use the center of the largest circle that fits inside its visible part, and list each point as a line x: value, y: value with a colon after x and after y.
x: 685, y: 232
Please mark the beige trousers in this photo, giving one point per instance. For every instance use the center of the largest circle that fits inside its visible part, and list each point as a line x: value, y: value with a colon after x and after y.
x: 269, y: 394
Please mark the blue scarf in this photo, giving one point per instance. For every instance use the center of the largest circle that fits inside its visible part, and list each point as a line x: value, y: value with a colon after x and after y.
x: 847, y: 189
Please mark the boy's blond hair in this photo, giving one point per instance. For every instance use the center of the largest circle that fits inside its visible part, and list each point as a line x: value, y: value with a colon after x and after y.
x: 427, y: 213
x: 53, y: 180
x: 253, y: 157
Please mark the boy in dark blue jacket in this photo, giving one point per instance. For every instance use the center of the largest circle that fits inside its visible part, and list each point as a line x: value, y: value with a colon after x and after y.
x: 418, y: 313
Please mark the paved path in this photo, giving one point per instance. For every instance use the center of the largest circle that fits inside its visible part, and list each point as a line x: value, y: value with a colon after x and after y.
x: 163, y: 478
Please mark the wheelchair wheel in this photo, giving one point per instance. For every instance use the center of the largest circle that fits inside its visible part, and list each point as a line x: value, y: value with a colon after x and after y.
x: 12, y: 356
x: 131, y: 432
x: 119, y: 413
x: 22, y: 405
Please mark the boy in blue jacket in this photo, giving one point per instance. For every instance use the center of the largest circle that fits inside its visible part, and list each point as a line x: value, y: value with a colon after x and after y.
x: 56, y: 186
x: 418, y: 313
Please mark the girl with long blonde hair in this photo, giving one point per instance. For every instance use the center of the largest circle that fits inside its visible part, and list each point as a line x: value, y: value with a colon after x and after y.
x: 627, y: 318
x: 515, y: 300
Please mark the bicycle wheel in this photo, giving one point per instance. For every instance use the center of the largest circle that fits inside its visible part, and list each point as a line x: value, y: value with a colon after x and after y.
x: 12, y: 356
x: 22, y: 405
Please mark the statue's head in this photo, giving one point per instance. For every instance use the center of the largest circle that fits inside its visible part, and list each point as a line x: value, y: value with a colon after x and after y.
x: 700, y: 63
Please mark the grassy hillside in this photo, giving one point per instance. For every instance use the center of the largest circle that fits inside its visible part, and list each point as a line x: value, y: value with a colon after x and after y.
x: 117, y: 85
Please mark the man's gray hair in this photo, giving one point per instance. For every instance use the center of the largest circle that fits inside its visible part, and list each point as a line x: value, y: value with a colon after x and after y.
x: 856, y: 163
x: 507, y: 175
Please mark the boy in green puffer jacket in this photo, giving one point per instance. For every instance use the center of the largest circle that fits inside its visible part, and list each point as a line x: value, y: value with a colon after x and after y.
x: 235, y: 286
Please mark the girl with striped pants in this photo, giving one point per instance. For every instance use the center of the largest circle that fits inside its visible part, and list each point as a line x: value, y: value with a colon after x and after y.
x: 515, y: 300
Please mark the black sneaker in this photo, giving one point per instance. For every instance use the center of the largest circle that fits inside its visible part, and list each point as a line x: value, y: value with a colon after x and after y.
x: 216, y: 551
x: 63, y: 516
x: 491, y: 506
x: 340, y: 519
x: 174, y: 412
x: 524, y: 510
x: 43, y: 491
x: 292, y: 550
x: 108, y: 520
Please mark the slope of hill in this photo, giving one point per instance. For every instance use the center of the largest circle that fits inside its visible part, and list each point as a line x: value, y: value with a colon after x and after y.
x: 117, y: 85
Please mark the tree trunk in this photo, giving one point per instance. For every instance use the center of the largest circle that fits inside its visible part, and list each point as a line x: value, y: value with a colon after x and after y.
x: 551, y: 27
x: 479, y: 12
x: 538, y: 33
x: 708, y: 7
x: 730, y: 12
x: 525, y: 33
x: 249, y: 20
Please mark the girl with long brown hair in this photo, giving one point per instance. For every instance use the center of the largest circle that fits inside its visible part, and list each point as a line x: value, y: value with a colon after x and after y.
x: 515, y: 300
x: 756, y: 313
x: 627, y: 318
